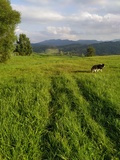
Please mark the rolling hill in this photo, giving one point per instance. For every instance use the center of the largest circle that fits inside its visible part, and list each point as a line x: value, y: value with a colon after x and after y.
x: 79, y: 47
x: 59, y: 42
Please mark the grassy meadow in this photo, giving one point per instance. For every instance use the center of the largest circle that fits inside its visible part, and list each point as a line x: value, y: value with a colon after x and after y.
x: 54, y: 108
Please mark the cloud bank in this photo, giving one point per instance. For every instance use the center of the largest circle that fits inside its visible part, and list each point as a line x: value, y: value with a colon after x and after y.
x: 70, y: 19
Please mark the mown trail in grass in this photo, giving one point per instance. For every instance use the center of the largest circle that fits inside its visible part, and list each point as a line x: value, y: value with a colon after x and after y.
x: 72, y: 133
x: 57, y: 110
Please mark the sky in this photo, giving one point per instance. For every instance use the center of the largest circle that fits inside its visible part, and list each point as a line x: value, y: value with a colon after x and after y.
x: 68, y: 19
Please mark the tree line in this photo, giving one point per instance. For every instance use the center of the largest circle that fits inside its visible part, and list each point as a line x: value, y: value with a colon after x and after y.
x: 102, y: 48
x: 9, y: 43
x: 65, y: 50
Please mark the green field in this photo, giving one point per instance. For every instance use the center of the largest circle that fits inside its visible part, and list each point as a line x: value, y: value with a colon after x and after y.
x: 54, y: 108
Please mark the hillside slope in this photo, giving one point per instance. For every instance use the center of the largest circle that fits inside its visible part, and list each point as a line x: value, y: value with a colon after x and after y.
x: 104, y: 48
x: 79, y: 47
x: 60, y: 42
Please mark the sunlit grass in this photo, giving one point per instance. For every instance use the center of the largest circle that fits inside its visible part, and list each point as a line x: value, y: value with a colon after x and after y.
x: 53, y: 107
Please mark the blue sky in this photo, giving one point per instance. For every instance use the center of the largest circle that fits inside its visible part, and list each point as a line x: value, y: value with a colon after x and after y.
x: 68, y: 19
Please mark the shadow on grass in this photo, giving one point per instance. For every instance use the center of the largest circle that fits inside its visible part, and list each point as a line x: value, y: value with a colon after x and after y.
x: 103, y: 112
x: 81, y: 71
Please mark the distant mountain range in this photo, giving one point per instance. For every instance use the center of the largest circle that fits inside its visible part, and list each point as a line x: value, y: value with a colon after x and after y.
x: 59, y: 42
x: 79, y: 46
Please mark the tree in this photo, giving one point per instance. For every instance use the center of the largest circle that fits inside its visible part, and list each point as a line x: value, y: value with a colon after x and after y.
x: 90, y: 51
x: 9, y: 18
x: 23, y: 46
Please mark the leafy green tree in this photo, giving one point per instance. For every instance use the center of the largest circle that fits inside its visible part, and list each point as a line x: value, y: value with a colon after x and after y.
x: 9, y: 18
x: 23, y: 46
x: 90, y: 51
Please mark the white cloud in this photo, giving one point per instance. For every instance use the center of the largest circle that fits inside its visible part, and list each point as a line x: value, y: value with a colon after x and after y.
x: 18, y: 30
x: 84, y: 16
x: 61, y: 32
x: 38, y: 13
x: 73, y: 19
x: 58, y: 30
x: 38, y: 1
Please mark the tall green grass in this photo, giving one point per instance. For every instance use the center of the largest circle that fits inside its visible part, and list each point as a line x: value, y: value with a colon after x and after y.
x: 53, y: 108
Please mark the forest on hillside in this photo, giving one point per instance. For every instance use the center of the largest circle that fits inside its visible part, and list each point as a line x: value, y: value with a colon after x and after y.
x: 102, y: 48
